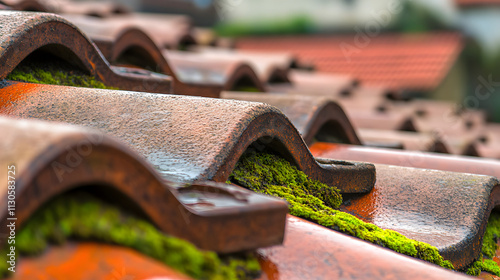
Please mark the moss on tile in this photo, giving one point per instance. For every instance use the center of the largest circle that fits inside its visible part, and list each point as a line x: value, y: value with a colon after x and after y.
x: 53, y: 72
x: 486, y: 265
x: 491, y: 235
x: 262, y: 171
x: 316, y: 202
x: 83, y: 217
x: 490, y: 239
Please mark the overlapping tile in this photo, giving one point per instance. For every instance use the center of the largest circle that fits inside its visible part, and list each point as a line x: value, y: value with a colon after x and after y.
x: 445, y: 209
x: 23, y: 33
x: 456, y: 127
x: 487, y: 144
x: 167, y: 31
x: 193, y: 72
x: 411, y: 141
x: 316, y: 119
x: 194, y: 139
x: 401, y: 61
x: 270, y: 68
x: 417, y: 159
x: 458, y: 136
x: 29, y: 5
x: 228, y: 220
x: 314, y: 252
x: 98, y: 9
x: 187, y: 139
x: 134, y: 47
x: 313, y: 83
x: 381, y: 120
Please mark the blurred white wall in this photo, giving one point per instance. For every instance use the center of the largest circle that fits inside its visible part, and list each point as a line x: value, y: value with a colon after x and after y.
x: 325, y: 13
x: 340, y: 14
x: 483, y: 24
x: 446, y: 9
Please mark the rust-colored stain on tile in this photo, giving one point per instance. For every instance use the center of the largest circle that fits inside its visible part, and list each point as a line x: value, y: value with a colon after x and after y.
x: 93, y: 261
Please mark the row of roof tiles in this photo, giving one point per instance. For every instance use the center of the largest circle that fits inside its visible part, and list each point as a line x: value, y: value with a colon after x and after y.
x: 409, y: 61
x: 213, y: 159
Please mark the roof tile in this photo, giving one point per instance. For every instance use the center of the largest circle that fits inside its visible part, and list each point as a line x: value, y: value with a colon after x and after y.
x: 402, y: 61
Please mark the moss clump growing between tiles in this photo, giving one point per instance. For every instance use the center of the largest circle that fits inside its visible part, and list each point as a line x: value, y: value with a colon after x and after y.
x: 53, y: 72
x: 314, y: 201
x: 491, y: 235
x: 84, y: 217
x: 259, y: 172
x: 490, y: 239
x: 489, y: 266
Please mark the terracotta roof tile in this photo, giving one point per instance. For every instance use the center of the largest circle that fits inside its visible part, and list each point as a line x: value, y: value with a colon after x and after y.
x: 315, y: 252
x: 126, y: 172
x: 415, y: 62
x: 23, y: 33
x: 92, y: 261
x: 192, y: 137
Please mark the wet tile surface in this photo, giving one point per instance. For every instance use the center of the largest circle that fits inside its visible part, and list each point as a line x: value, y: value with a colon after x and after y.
x: 185, y: 138
x: 228, y: 220
x: 445, y: 209
x: 314, y: 252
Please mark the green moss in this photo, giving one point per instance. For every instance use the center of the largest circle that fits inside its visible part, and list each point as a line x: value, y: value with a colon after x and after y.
x: 84, y: 217
x: 53, y: 72
x: 489, y: 266
x: 258, y: 171
x: 489, y: 248
x: 491, y: 235
x: 316, y: 202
